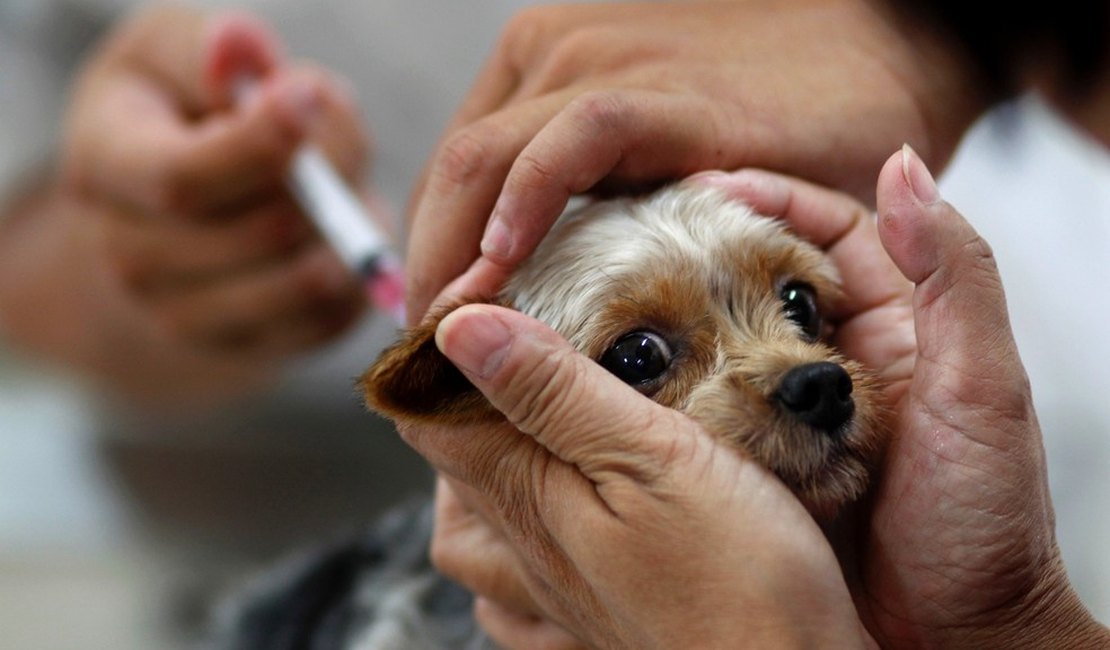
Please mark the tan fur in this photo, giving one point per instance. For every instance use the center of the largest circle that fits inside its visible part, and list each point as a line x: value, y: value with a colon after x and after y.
x: 704, y: 272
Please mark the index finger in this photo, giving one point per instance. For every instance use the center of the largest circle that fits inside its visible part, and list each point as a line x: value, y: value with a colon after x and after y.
x: 620, y: 137
x: 829, y: 219
x: 874, y: 319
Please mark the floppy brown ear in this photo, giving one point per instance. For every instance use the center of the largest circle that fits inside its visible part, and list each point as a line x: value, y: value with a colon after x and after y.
x: 413, y: 382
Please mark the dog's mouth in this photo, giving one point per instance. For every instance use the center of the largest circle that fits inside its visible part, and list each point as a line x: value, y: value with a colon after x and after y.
x: 831, y: 473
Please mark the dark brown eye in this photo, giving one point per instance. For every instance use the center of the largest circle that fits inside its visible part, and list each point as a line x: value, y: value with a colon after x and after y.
x: 799, y: 303
x: 638, y: 358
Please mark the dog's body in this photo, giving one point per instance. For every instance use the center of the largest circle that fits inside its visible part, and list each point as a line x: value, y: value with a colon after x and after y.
x: 700, y: 304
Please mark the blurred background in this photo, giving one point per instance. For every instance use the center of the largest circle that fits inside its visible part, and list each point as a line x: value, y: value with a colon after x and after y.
x: 117, y: 525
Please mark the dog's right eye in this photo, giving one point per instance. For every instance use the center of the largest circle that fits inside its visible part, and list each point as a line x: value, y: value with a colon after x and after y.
x: 799, y: 302
x: 638, y: 358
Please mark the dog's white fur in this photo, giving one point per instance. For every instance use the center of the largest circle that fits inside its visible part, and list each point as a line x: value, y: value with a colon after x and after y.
x: 592, y: 254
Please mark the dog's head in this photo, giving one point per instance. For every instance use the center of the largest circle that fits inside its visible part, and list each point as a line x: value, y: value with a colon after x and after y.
x: 701, y: 305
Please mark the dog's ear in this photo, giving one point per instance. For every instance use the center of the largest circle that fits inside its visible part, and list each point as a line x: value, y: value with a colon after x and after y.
x: 413, y: 382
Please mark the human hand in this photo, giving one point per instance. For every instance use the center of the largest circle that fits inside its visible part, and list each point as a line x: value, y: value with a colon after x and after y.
x: 873, y: 324
x: 185, y: 190
x: 959, y: 547
x: 961, y: 550
x: 469, y: 547
x: 588, y: 97
x: 593, y: 482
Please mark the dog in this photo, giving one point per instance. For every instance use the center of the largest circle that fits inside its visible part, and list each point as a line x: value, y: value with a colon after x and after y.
x: 694, y: 300
x: 700, y: 304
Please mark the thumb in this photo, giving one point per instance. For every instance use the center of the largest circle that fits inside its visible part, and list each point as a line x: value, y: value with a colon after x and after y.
x: 195, y: 54
x: 237, y: 46
x: 569, y: 404
x: 967, y: 356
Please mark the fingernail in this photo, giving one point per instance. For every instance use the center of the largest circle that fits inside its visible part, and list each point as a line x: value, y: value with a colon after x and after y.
x: 497, y: 242
x: 917, y: 176
x: 474, y: 341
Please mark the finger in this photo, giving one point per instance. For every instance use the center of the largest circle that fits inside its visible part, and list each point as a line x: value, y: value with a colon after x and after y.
x: 340, y: 131
x: 528, y: 38
x: 821, y: 215
x: 531, y: 39
x: 516, y: 631
x: 191, y: 53
x: 464, y: 178
x: 829, y: 219
x: 238, y: 312
x: 236, y: 46
x: 967, y: 352
x: 494, y: 84
x: 241, y: 155
x: 303, y: 330
x: 470, y: 546
x: 873, y: 318
x: 619, y: 137
x: 569, y: 404
x: 237, y: 156
x: 159, y: 255
x: 536, y: 156
x: 132, y: 147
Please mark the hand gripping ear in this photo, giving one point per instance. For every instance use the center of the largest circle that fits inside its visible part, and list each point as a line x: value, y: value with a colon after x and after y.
x: 413, y: 382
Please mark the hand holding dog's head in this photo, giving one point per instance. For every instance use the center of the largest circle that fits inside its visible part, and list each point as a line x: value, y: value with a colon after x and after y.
x: 703, y: 306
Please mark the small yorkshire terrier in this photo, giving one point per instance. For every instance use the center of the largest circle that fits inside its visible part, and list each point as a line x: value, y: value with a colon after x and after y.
x: 686, y: 295
x: 703, y: 306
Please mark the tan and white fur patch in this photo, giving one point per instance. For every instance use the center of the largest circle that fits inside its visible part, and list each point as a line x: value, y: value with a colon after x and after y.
x: 702, y: 305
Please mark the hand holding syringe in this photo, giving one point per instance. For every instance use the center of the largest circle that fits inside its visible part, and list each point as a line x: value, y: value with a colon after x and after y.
x: 344, y: 221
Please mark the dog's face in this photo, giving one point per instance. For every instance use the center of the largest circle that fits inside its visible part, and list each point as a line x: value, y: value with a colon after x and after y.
x: 699, y: 304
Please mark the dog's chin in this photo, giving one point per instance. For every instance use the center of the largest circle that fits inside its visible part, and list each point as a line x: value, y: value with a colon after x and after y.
x: 840, y: 477
x: 825, y: 471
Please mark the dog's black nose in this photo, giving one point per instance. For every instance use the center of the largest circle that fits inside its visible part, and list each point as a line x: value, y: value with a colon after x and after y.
x: 819, y: 394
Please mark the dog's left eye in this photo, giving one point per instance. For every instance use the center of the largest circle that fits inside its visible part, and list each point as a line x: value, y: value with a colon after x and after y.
x: 637, y: 358
x: 799, y: 302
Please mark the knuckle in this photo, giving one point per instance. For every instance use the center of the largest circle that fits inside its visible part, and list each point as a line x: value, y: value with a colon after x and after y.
x: 170, y: 192
x: 572, y: 52
x: 552, y: 384
x: 174, y: 322
x: 444, y: 556
x: 133, y: 271
x: 126, y: 263
x: 318, y: 275
x: 532, y: 172
x: 979, y: 254
x: 464, y: 155
x: 522, y: 35
x: 600, y: 110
